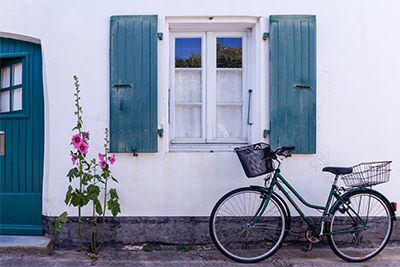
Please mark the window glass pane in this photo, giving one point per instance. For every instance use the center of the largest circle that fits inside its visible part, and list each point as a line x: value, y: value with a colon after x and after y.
x: 229, y: 122
x: 188, y: 85
x: 229, y: 86
x: 188, y: 52
x: 188, y: 121
x: 229, y: 52
x: 17, y: 99
x: 5, y: 77
x: 17, y: 73
x: 5, y: 101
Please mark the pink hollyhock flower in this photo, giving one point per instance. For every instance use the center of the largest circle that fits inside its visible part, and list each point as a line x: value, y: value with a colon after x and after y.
x: 112, y: 159
x: 101, y: 157
x: 102, y: 164
x: 73, y: 159
x: 77, y: 140
x: 83, y: 148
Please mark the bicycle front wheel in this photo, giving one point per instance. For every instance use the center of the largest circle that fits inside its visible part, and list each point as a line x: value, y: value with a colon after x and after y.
x: 361, y: 227
x: 243, y: 229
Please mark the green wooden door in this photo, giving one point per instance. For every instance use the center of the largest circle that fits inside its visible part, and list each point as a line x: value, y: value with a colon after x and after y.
x: 22, y: 137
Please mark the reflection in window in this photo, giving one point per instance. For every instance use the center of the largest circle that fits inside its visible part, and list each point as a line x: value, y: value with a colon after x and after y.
x: 10, y: 85
x: 188, y: 102
x: 5, y: 77
x: 188, y: 52
x: 17, y: 73
x: 5, y: 101
x: 229, y: 52
x: 229, y: 89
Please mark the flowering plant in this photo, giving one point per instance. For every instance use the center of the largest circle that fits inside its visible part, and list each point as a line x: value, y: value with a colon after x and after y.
x: 91, y: 183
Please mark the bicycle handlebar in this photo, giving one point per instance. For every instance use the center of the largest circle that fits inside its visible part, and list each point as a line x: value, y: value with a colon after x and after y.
x: 285, y: 151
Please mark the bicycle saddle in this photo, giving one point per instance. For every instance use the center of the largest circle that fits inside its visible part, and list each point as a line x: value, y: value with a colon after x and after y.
x: 338, y: 170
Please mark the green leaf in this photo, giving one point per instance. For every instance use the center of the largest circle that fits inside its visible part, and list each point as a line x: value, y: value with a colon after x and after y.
x: 57, y: 226
x: 97, y: 204
x: 114, y: 179
x: 98, y: 178
x: 72, y: 173
x: 86, y: 178
x: 113, y: 206
x: 63, y: 217
x: 68, y: 196
x: 113, y: 193
x: 57, y: 222
x: 85, y: 200
x: 93, y: 191
x: 75, y: 199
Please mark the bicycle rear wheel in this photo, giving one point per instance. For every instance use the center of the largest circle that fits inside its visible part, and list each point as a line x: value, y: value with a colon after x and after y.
x: 241, y: 235
x: 359, y: 238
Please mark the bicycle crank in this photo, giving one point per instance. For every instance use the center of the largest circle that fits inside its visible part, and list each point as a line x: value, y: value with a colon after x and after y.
x: 311, y: 237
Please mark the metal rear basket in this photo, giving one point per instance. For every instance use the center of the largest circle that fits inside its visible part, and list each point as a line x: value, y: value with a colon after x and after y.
x: 256, y: 159
x: 368, y: 174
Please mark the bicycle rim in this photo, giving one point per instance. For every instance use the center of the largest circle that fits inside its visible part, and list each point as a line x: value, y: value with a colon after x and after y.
x: 238, y: 235
x: 355, y: 240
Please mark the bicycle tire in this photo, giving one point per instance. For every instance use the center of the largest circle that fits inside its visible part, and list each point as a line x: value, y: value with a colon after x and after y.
x: 362, y: 244
x: 245, y: 242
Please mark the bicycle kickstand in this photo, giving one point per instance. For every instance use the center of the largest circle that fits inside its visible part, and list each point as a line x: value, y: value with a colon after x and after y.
x: 307, y: 248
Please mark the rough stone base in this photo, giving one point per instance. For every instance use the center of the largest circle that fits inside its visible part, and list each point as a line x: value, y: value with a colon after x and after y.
x: 159, y: 231
x: 26, y: 244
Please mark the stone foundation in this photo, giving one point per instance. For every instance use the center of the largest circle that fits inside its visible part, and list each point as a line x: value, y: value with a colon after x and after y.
x: 173, y: 231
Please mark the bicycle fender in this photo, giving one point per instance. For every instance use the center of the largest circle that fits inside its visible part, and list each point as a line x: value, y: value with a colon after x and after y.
x: 347, y: 194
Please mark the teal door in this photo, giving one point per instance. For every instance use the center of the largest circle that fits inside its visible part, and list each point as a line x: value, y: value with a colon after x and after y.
x: 21, y: 137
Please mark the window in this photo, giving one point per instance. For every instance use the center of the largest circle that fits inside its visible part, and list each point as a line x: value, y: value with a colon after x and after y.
x: 208, y: 88
x: 11, y: 85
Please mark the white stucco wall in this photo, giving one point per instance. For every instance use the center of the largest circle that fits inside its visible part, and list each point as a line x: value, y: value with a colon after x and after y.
x: 358, y: 97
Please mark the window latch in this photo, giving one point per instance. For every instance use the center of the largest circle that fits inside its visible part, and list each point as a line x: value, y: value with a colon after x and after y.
x: 249, y: 108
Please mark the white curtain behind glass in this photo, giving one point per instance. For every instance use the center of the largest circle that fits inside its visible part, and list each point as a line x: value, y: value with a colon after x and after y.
x: 229, y: 104
x: 188, y: 103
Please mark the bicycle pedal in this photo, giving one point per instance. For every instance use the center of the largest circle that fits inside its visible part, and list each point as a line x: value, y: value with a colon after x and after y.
x: 307, y: 248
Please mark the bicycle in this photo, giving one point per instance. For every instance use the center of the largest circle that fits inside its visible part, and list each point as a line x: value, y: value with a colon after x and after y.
x: 250, y: 224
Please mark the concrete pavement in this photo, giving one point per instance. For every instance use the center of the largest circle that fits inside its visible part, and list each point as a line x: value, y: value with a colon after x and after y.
x: 132, y: 256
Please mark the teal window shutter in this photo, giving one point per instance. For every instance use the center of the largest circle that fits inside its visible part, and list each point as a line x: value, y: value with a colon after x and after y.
x: 293, y: 82
x: 133, y: 84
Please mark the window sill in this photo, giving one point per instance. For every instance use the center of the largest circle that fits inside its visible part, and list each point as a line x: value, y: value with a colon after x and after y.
x: 201, y: 147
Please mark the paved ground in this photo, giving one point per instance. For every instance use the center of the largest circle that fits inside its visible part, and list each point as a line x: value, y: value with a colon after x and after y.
x: 111, y: 257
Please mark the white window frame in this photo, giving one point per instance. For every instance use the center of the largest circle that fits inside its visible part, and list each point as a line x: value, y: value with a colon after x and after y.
x: 209, y: 140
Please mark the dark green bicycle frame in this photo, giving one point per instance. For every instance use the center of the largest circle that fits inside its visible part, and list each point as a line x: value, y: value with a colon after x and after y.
x: 278, y: 180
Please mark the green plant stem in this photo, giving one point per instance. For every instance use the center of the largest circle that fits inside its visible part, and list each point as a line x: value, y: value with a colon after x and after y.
x: 104, y: 211
x: 79, y: 207
x: 80, y: 122
x: 94, y: 226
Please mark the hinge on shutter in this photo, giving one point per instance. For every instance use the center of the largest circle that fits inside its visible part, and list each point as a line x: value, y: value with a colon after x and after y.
x: 265, y: 36
x: 266, y: 133
x: 160, y: 36
x: 160, y: 132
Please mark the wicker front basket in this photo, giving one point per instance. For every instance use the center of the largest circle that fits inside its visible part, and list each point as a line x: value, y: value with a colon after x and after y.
x: 256, y: 159
x: 368, y: 174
